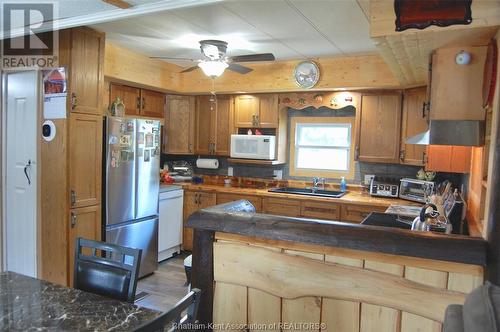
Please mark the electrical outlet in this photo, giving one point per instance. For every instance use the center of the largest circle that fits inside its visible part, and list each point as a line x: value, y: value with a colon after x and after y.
x: 230, y: 171
x: 368, y: 178
x: 278, y: 174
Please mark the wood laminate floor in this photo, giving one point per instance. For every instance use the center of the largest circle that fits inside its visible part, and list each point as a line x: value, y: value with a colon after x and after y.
x: 166, y: 286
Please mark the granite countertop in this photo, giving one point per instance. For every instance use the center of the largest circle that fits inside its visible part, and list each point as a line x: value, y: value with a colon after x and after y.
x: 28, y: 304
x: 351, y: 197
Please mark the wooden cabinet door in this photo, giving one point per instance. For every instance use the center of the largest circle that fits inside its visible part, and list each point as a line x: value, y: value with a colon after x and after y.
x: 357, y: 213
x: 86, y: 71
x: 268, y: 111
x: 85, y: 156
x: 226, y: 198
x: 281, y: 206
x: 414, y: 122
x: 190, y: 206
x: 130, y: 96
x: 152, y: 104
x: 222, y: 133
x: 193, y: 201
x: 85, y: 223
x: 179, y: 125
x: 246, y: 109
x: 207, y: 200
x: 204, y: 124
x: 320, y: 210
x: 448, y: 158
x: 379, y: 128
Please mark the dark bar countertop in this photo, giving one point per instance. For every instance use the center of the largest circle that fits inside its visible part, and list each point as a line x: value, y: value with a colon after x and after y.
x: 238, y: 218
x: 28, y: 304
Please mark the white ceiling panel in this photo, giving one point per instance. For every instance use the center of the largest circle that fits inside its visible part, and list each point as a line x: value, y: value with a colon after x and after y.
x: 343, y: 22
x: 281, y: 22
x: 290, y: 29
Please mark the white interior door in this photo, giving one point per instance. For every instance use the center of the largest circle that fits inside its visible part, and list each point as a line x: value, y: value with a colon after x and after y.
x: 20, y: 227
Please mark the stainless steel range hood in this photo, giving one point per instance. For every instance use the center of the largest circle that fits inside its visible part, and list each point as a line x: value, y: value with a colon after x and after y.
x: 451, y: 132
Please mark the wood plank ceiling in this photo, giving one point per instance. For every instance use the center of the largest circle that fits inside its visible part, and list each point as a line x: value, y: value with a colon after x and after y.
x: 407, y: 53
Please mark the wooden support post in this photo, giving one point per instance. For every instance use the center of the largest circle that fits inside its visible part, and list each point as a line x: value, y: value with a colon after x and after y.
x: 493, y: 224
x: 202, y: 272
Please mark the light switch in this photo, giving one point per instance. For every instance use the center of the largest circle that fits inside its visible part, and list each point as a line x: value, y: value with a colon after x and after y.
x: 230, y: 171
x: 278, y: 174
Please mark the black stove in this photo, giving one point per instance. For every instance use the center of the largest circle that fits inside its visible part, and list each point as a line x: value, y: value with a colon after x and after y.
x: 387, y: 220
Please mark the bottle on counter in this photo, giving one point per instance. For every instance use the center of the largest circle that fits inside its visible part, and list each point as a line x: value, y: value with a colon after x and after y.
x: 343, y: 185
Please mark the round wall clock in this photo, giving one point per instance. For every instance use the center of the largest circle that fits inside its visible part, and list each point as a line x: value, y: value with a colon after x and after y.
x: 306, y: 74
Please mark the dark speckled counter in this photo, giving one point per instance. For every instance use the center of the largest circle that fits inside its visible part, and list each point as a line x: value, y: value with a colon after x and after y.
x: 28, y: 304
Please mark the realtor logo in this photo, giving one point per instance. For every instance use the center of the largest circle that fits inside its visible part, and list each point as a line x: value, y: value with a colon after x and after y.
x: 29, y: 36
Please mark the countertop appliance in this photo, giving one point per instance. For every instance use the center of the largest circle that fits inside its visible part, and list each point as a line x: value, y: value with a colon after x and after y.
x: 170, y: 221
x: 387, y: 220
x: 415, y: 190
x: 181, y: 171
x: 431, y: 221
x: 455, y: 209
x: 131, y: 166
x: 384, y: 187
x: 253, y: 147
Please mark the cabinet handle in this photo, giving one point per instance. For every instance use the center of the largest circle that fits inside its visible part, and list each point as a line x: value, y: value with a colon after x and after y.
x: 402, y: 155
x: 257, y: 120
x: 424, y: 159
x: 143, y: 103
x: 190, y: 147
x: 356, y: 152
x: 321, y: 210
x: 73, y: 197
x: 196, y: 199
x: 425, y: 107
x: 73, y: 220
x: 138, y: 103
x: 73, y: 100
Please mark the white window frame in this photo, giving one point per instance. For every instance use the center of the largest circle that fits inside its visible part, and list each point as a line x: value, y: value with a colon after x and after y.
x: 295, y: 122
x: 325, y: 147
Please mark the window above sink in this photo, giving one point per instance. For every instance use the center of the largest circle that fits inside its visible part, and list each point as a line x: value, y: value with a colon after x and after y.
x: 322, y: 146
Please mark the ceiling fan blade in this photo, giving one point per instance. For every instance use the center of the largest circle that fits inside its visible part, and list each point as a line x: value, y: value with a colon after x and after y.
x: 239, y: 68
x: 253, y: 57
x: 187, y: 70
x: 172, y: 58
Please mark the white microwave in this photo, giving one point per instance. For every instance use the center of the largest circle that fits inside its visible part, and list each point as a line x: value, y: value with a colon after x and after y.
x: 253, y: 147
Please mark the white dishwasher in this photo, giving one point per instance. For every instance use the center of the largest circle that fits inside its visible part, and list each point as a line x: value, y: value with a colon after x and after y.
x: 171, y: 202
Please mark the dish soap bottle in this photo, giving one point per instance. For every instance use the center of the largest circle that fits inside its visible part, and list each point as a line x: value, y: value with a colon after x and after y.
x: 343, y: 185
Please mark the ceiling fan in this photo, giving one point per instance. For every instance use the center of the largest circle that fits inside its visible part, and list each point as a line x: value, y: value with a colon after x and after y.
x: 215, y: 61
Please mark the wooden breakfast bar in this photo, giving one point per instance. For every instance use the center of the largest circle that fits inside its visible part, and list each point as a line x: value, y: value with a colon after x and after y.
x: 259, y: 271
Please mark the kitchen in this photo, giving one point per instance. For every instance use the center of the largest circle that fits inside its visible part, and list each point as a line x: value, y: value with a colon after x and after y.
x: 360, y: 130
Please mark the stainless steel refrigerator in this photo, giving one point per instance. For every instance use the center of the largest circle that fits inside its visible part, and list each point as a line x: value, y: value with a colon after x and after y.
x: 131, y: 184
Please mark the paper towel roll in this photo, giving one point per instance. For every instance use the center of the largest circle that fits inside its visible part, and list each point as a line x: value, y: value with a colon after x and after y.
x: 207, y: 163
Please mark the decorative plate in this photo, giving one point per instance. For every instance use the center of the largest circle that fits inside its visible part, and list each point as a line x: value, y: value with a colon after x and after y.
x: 306, y: 74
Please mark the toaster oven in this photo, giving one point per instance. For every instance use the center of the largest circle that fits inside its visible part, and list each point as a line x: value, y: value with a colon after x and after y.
x: 415, y: 190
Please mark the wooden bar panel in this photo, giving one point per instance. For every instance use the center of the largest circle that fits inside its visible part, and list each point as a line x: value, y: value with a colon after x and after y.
x: 340, y: 315
x: 292, y: 277
x: 414, y: 323
x: 463, y: 283
x: 304, y: 309
x: 230, y: 304
x: 263, y: 308
x: 379, y: 318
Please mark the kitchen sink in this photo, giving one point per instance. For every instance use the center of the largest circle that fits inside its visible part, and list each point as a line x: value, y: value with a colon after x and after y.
x: 307, y: 191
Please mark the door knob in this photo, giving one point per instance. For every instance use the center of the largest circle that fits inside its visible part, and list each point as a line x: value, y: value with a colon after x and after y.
x: 26, y: 171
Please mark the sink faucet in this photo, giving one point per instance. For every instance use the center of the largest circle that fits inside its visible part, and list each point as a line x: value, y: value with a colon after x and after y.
x: 317, y: 182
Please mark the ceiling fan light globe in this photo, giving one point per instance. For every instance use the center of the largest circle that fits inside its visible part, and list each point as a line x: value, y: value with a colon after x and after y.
x: 213, y: 68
